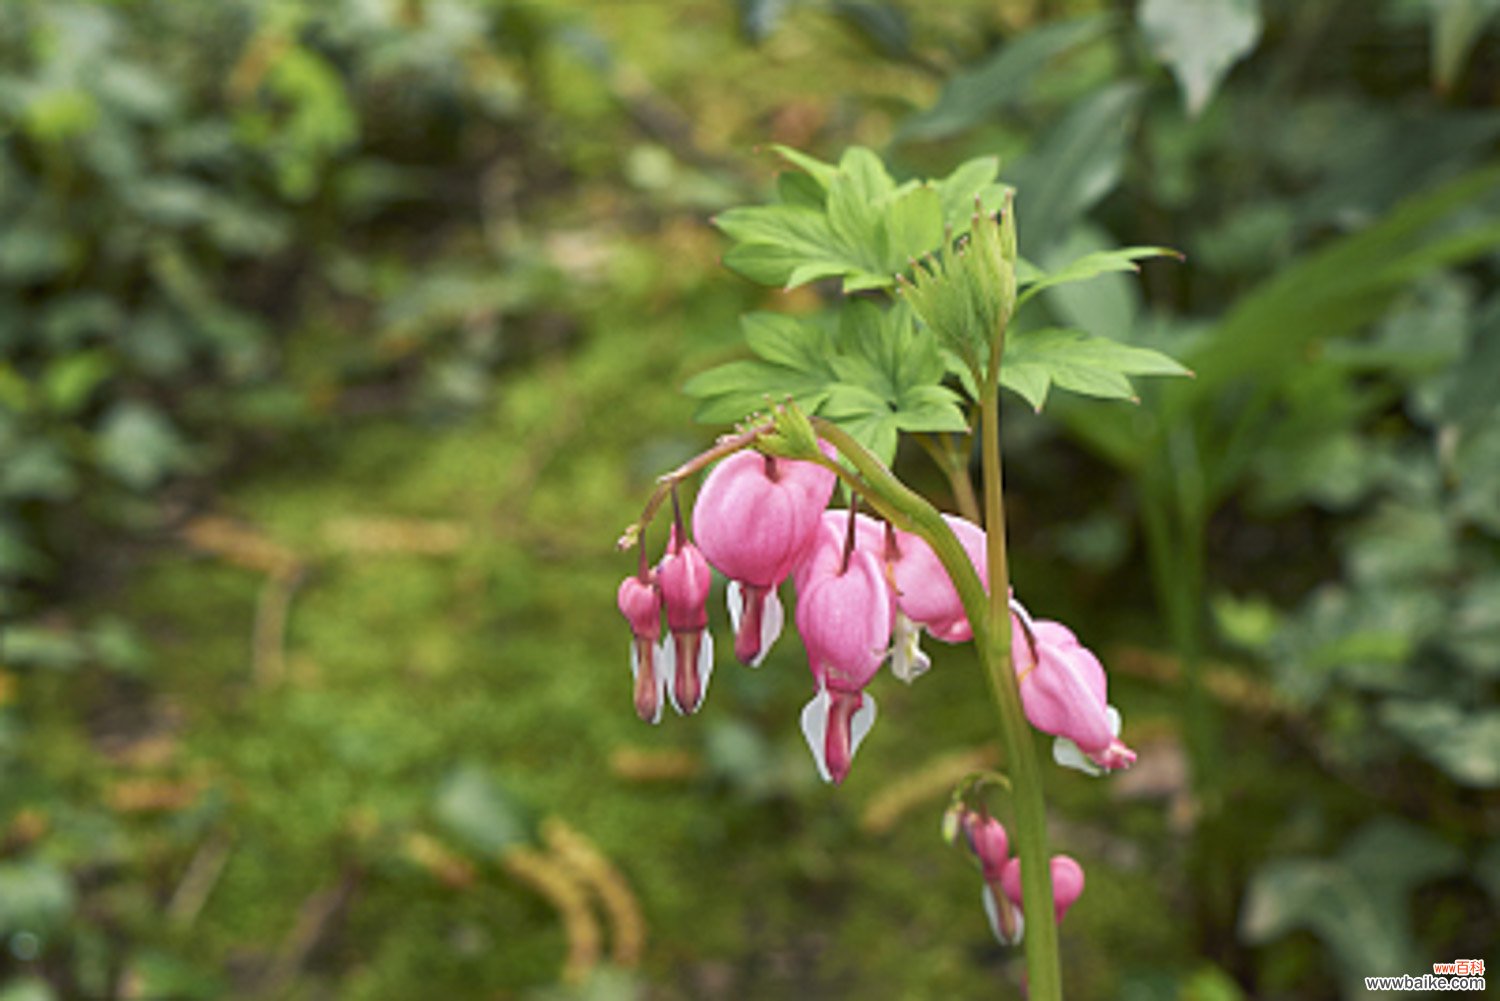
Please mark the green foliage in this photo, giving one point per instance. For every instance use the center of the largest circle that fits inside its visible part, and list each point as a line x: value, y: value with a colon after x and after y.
x: 866, y: 368
x: 1358, y: 902
x: 175, y: 183
x: 852, y: 221
x: 878, y: 373
x: 1036, y: 360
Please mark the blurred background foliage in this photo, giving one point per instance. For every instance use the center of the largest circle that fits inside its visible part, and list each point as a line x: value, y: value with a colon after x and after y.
x: 338, y: 341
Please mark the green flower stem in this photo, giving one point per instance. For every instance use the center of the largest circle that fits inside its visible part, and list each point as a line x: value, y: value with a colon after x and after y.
x: 726, y: 445
x: 953, y: 460
x: 1044, y: 972
x: 989, y: 615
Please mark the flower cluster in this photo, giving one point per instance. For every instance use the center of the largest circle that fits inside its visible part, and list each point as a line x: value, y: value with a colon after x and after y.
x: 1002, y: 877
x: 866, y: 592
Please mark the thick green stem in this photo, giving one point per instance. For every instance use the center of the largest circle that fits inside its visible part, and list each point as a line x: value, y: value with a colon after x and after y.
x: 1044, y: 973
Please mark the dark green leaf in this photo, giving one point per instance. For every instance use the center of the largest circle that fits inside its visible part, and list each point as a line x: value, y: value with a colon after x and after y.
x: 1357, y: 903
x: 1075, y: 164
x: 1001, y: 80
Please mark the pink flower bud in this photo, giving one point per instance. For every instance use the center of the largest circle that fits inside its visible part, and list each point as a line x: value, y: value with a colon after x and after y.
x: 1067, y: 883
x: 1063, y: 691
x: 688, y: 658
x: 640, y: 603
x: 987, y: 840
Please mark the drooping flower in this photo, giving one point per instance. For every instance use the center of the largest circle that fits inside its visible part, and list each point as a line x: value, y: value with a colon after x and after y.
x: 844, y: 616
x: 926, y: 597
x: 754, y: 518
x: 1063, y: 691
x: 639, y: 600
x: 687, y: 658
x: 987, y: 840
x: 1067, y: 883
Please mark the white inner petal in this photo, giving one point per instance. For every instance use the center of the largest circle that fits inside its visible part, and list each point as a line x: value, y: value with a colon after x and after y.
x: 734, y: 597
x: 666, y: 668
x: 992, y: 911
x: 705, y: 664
x: 1069, y: 755
x: 860, y: 723
x: 814, y: 727
x: 908, y: 661
x: 772, y: 618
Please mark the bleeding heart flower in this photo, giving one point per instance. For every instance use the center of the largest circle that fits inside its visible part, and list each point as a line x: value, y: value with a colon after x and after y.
x: 687, y: 659
x: 1063, y: 692
x: 1067, y: 883
x: 844, y: 616
x: 987, y: 840
x: 754, y: 518
x: 926, y: 597
x: 639, y: 600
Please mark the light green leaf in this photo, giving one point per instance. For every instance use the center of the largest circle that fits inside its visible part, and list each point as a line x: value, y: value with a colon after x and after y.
x: 930, y: 408
x: 819, y: 171
x: 795, y: 342
x: 913, y: 225
x: 1456, y: 26
x: 1071, y: 359
x: 973, y: 179
x: 870, y: 180
x: 1092, y: 265
x: 866, y: 416
x: 732, y: 391
x: 1107, y: 305
x: 1199, y: 40
x: 852, y: 222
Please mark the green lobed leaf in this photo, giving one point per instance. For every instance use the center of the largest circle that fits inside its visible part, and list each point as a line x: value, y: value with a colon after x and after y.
x: 1071, y: 359
x: 852, y: 221
x: 1092, y: 266
x: 874, y: 374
